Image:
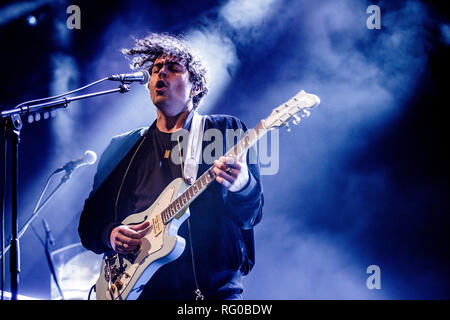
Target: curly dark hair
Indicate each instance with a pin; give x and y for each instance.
(148, 49)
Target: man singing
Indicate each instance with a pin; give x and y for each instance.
(136, 167)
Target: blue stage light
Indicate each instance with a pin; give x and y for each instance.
(32, 20)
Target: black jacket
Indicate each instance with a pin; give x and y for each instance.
(221, 222)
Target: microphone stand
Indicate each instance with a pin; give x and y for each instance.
(12, 123)
(38, 208)
(49, 242)
(2, 199)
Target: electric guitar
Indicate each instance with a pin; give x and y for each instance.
(123, 277)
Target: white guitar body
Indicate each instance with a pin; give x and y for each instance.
(160, 245)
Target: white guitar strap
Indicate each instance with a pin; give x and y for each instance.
(190, 169)
(194, 148)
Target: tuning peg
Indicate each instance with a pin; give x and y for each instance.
(306, 113)
(296, 120)
(287, 127)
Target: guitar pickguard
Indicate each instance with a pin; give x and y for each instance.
(159, 245)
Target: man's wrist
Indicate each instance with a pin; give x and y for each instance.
(106, 236)
(245, 191)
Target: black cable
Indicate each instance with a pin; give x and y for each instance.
(42, 193)
(51, 266)
(45, 244)
(90, 291)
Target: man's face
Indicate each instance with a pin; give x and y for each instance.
(170, 85)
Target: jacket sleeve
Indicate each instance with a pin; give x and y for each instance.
(97, 218)
(246, 205)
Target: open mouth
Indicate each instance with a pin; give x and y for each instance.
(160, 84)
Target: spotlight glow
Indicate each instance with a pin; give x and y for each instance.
(32, 21)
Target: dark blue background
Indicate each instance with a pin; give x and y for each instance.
(363, 181)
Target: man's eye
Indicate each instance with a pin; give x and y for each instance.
(174, 68)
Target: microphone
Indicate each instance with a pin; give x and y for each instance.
(141, 77)
(89, 157)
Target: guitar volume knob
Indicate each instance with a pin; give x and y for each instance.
(119, 285)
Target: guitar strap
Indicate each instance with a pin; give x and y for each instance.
(194, 148)
(190, 169)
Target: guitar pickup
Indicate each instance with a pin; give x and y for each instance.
(157, 224)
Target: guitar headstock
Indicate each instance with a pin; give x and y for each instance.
(296, 107)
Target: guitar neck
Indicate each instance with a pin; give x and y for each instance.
(193, 191)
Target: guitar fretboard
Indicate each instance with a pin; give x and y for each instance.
(188, 195)
(193, 191)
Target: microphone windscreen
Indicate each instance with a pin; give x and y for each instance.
(146, 76)
(90, 157)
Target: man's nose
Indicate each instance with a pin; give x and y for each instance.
(163, 72)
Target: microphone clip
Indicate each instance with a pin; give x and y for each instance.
(125, 86)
